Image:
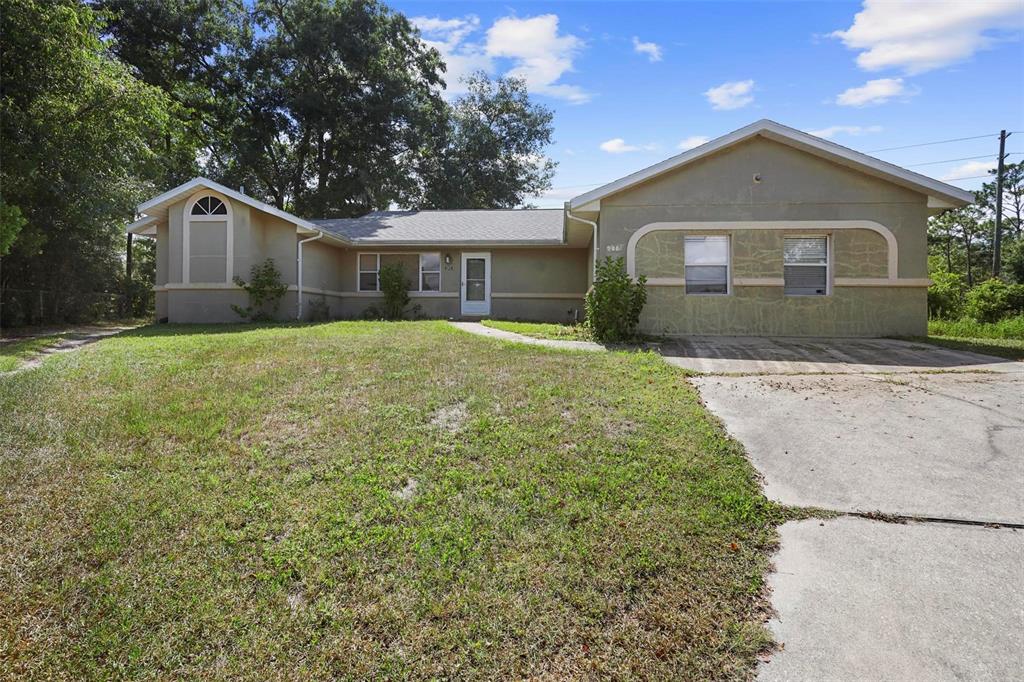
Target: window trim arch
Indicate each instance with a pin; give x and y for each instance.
(186, 228)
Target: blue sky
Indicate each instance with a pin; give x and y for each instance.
(632, 82)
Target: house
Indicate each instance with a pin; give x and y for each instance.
(764, 231)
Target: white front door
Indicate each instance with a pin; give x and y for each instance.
(476, 284)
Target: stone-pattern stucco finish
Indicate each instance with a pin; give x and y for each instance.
(660, 254)
(860, 253)
(757, 253)
(765, 311)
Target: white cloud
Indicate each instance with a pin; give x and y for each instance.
(969, 169)
(876, 91)
(692, 141)
(921, 36)
(531, 48)
(448, 37)
(832, 131)
(652, 50)
(540, 55)
(731, 95)
(618, 146)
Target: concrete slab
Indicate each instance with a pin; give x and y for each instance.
(864, 600)
(938, 445)
(783, 355)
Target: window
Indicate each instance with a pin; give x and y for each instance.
(369, 268)
(209, 206)
(707, 265)
(430, 272)
(805, 266)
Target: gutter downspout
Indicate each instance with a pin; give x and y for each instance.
(593, 224)
(298, 307)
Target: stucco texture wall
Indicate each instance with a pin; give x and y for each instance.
(765, 311)
(794, 186)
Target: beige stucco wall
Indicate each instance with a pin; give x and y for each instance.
(860, 311)
(794, 186)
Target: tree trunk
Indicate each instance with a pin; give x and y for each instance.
(970, 276)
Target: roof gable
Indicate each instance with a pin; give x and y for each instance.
(157, 206)
(939, 193)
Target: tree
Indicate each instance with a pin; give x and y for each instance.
(328, 107)
(78, 132)
(491, 154)
(969, 228)
(1013, 198)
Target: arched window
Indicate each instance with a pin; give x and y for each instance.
(207, 240)
(209, 206)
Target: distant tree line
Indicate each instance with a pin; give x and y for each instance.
(960, 260)
(326, 108)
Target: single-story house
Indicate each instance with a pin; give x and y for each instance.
(767, 230)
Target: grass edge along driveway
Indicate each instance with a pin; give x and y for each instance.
(372, 500)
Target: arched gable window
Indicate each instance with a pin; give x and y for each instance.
(207, 240)
(209, 206)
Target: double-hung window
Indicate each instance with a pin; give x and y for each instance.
(707, 264)
(805, 266)
(430, 272)
(369, 271)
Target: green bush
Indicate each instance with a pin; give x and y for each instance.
(966, 328)
(395, 287)
(265, 290)
(946, 295)
(993, 300)
(615, 301)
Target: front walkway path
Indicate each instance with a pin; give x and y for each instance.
(73, 339)
(482, 330)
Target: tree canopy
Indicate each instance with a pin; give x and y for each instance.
(326, 108)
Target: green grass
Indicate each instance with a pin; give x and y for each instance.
(1011, 328)
(543, 330)
(1003, 339)
(222, 503)
(14, 353)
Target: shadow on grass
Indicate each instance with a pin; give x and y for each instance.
(1009, 349)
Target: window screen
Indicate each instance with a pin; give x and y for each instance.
(805, 266)
(707, 264)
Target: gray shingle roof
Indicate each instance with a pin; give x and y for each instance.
(453, 227)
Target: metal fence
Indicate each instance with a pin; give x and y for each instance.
(23, 307)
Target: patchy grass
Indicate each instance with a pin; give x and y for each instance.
(367, 501)
(966, 328)
(543, 330)
(14, 352)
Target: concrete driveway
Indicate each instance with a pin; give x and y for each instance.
(900, 428)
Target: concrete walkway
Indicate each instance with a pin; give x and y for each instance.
(483, 330)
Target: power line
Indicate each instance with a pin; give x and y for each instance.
(964, 158)
(925, 144)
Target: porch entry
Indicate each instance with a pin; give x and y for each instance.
(476, 284)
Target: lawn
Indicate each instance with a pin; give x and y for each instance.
(1003, 339)
(543, 330)
(14, 352)
(367, 501)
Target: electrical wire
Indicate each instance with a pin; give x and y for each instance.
(925, 144)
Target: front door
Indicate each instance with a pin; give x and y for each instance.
(476, 284)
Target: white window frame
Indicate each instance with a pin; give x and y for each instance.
(430, 272)
(828, 264)
(728, 264)
(378, 254)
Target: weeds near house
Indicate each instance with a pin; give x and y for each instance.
(544, 330)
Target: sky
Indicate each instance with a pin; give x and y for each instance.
(632, 83)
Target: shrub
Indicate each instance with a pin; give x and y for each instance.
(265, 289)
(993, 300)
(615, 301)
(946, 295)
(395, 287)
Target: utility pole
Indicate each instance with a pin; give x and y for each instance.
(997, 241)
